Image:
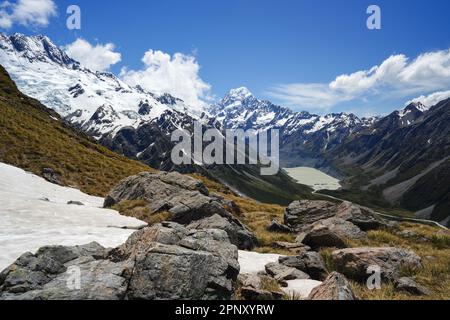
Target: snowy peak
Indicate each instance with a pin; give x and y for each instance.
(239, 93)
(35, 48)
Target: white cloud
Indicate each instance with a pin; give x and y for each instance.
(396, 76)
(29, 13)
(431, 99)
(99, 57)
(177, 75)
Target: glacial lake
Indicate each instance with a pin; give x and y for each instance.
(314, 178)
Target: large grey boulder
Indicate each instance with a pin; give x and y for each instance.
(335, 287)
(300, 215)
(305, 212)
(331, 232)
(355, 262)
(309, 262)
(283, 273)
(362, 217)
(166, 261)
(187, 200)
(237, 233)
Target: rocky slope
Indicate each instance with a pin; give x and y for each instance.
(403, 158)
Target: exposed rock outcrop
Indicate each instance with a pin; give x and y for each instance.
(253, 288)
(355, 262)
(331, 232)
(282, 273)
(166, 261)
(187, 200)
(309, 262)
(300, 215)
(335, 287)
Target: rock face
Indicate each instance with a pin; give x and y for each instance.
(51, 176)
(331, 232)
(362, 217)
(309, 262)
(355, 262)
(186, 199)
(166, 261)
(335, 287)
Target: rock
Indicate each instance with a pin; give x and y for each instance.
(354, 262)
(302, 214)
(293, 247)
(76, 203)
(51, 176)
(309, 262)
(362, 217)
(409, 285)
(165, 261)
(335, 287)
(253, 288)
(306, 212)
(186, 199)
(238, 233)
(275, 226)
(331, 232)
(282, 273)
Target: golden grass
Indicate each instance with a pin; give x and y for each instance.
(435, 254)
(30, 139)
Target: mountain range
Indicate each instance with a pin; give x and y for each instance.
(396, 161)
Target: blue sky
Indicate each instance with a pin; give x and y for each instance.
(287, 51)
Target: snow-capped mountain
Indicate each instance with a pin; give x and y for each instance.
(304, 136)
(97, 102)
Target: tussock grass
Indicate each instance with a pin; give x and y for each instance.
(139, 209)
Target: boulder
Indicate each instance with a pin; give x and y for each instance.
(276, 226)
(282, 273)
(309, 262)
(410, 286)
(300, 215)
(331, 232)
(364, 218)
(254, 288)
(335, 287)
(165, 261)
(238, 233)
(186, 199)
(305, 212)
(355, 262)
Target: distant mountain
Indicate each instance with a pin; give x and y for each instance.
(128, 120)
(403, 158)
(304, 136)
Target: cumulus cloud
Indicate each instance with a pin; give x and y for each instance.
(176, 74)
(99, 57)
(397, 76)
(28, 13)
(431, 99)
